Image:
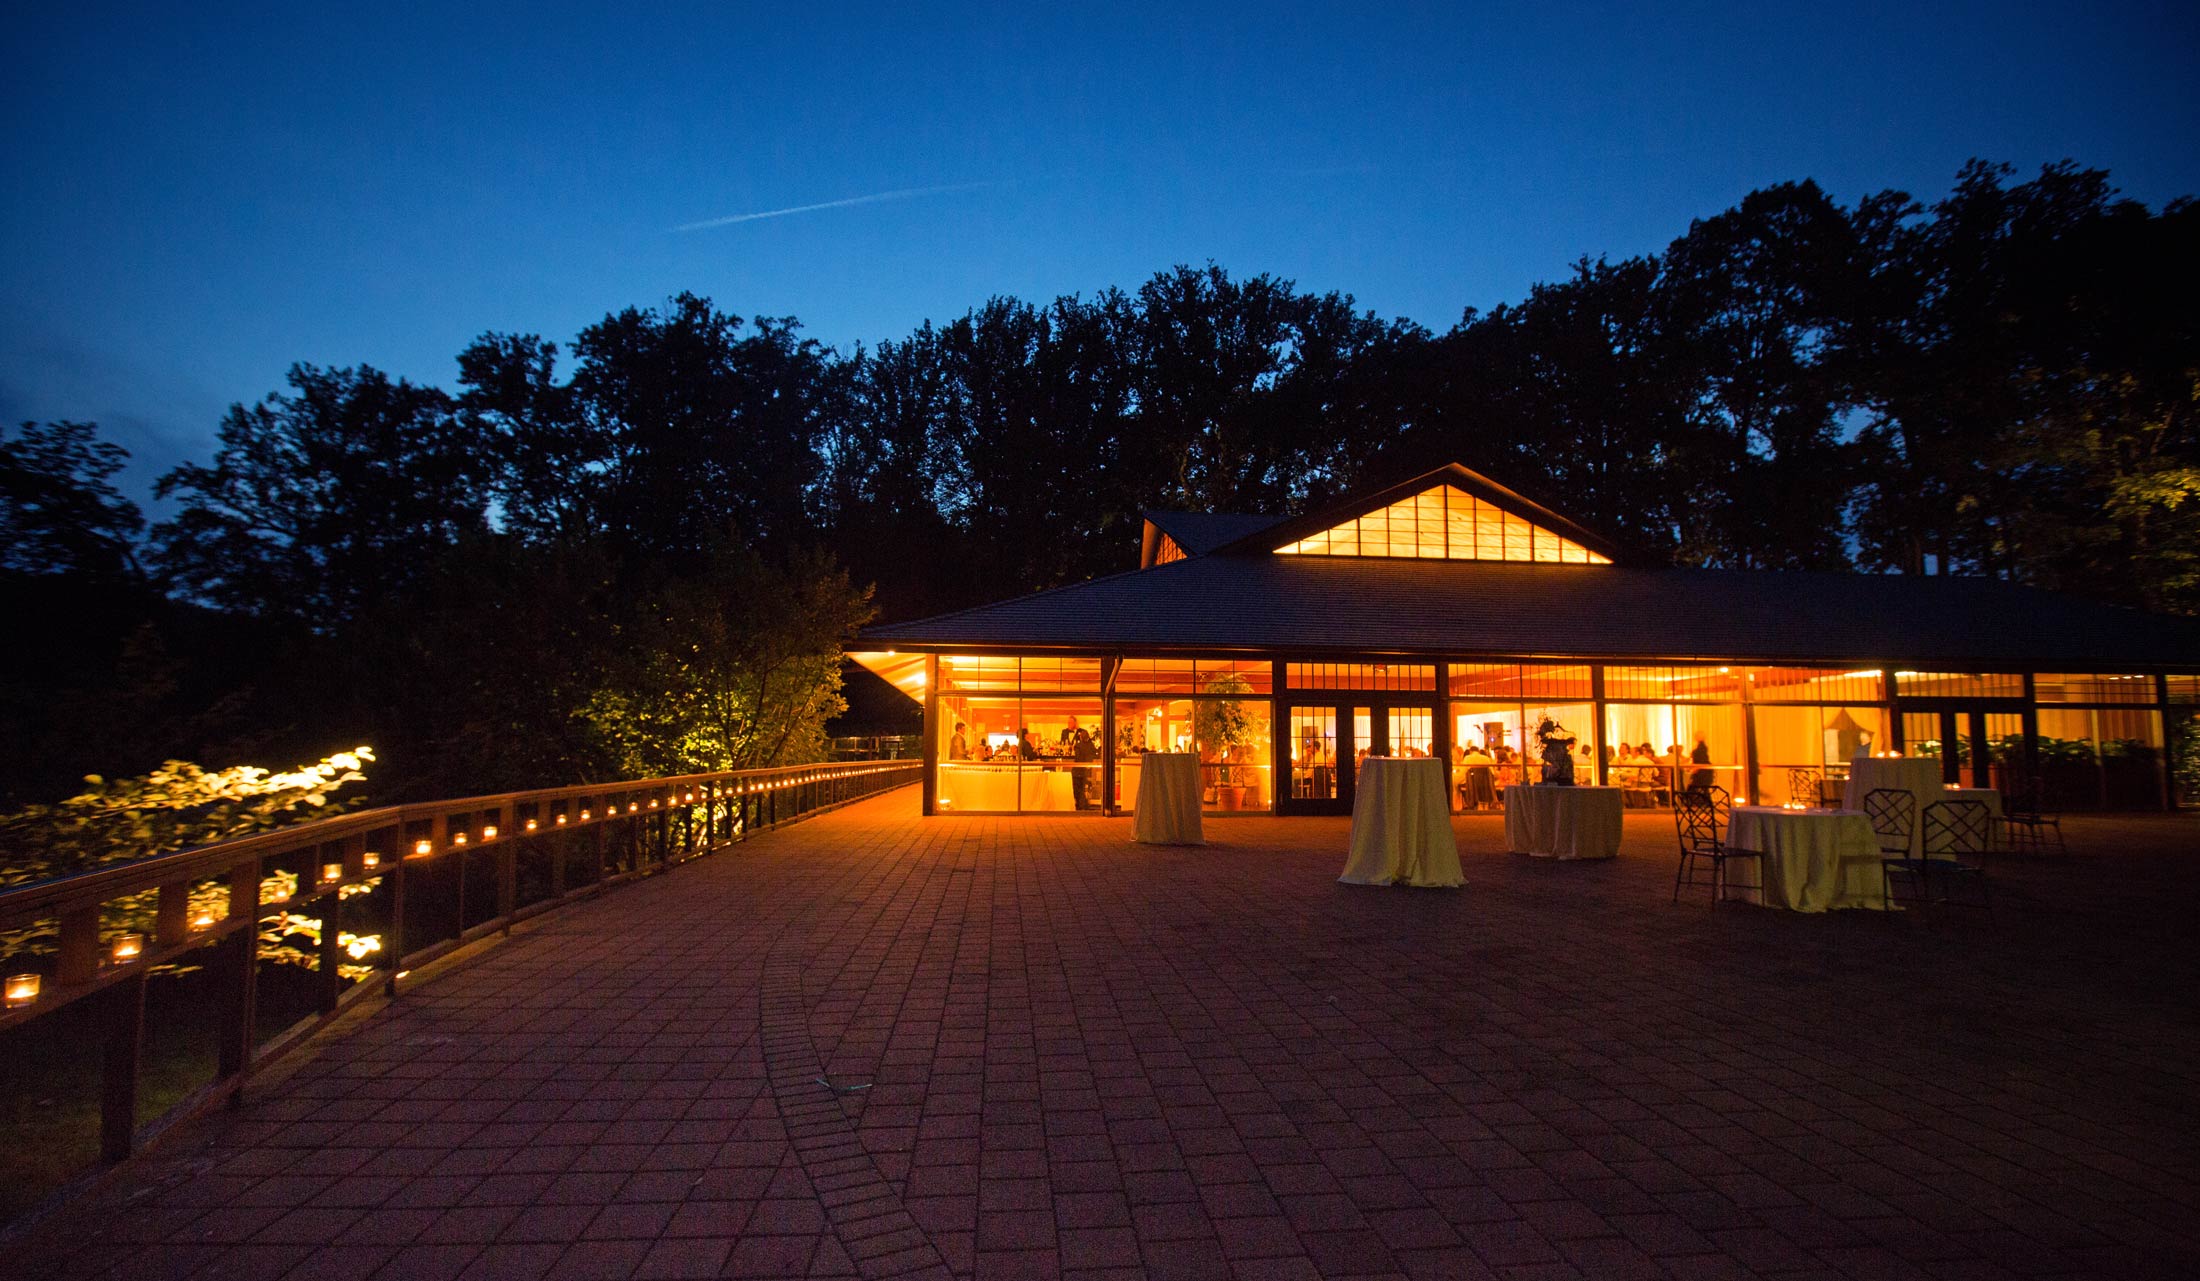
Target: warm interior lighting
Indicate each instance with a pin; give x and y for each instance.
(423, 847)
(332, 872)
(129, 947)
(22, 990)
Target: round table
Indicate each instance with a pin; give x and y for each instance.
(1813, 859)
(1168, 800)
(1401, 825)
(1563, 822)
(1917, 775)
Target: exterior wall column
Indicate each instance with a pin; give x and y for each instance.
(1895, 742)
(931, 733)
(1279, 737)
(1596, 730)
(1108, 668)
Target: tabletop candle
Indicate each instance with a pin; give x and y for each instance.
(22, 990)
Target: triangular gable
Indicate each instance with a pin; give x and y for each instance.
(1449, 514)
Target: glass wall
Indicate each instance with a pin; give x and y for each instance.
(1494, 710)
(1675, 726)
(2100, 756)
(1218, 708)
(1018, 735)
(1811, 719)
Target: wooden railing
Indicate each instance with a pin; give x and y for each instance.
(425, 878)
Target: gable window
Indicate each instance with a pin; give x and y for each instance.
(1445, 522)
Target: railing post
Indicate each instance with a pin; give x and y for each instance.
(125, 1041)
(397, 915)
(234, 1054)
(507, 864)
(331, 982)
(554, 840)
(172, 921)
(78, 959)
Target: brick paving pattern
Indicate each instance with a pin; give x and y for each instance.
(875, 1046)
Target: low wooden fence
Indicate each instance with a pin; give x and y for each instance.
(430, 878)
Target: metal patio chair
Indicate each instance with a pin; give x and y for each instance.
(2025, 824)
(1700, 818)
(1951, 869)
(1806, 784)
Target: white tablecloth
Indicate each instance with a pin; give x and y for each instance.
(1563, 822)
(985, 787)
(1168, 800)
(1987, 796)
(1401, 825)
(1814, 859)
(1917, 775)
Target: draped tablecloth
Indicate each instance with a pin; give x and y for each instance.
(1987, 796)
(1813, 859)
(1563, 822)
(1168, 800)
(1917, 775)
(1401, 825)
(979, 787)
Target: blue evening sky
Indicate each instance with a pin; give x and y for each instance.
(199, 195)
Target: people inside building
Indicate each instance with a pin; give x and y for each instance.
(958, 745)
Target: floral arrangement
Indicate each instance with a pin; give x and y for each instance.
(1558, 752)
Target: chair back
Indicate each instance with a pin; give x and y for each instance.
(1955, 829)
(1893, 815)
(1700, 816)
(1803, 784)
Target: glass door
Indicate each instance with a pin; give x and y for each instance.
(1318, 760)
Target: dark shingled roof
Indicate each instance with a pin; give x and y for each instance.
(1201, 532)
(1340, 604)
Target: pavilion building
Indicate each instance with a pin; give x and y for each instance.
(1450, 616)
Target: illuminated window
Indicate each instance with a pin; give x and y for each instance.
(1168, 551)
(1445, 523)
(1372, 676)
(2075, 687)
(1958, 685)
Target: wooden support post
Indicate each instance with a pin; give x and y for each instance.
(78, 961)
(397, 918)
(331, 982)
(172, 924)
(125, 1040)
(507, 864)
(240, 967)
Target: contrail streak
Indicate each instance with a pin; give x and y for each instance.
(876, 197)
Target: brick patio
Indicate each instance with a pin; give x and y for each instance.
(1051, 1052)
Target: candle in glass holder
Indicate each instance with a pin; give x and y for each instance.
(561, 820)
(530, 825)
(690, 796)
(584, 816)
(129, 947)
(458, 838)
(202, 920)
(631, 807)
(332, 872)
(370, 860)
(653, 802)
(489, 833)
(22, 990)
(423, 847)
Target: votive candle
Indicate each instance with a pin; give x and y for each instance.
(22, 990)
(129, 947)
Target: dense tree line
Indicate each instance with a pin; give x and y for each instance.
(638, 553)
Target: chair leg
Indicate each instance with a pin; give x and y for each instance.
(1678, 874)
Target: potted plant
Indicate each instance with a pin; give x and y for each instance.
(1226, 733)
